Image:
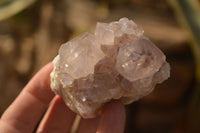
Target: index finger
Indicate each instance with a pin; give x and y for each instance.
(25, 112)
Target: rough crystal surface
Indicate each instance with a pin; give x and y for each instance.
(117, 62)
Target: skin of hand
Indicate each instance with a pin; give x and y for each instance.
(38, 104)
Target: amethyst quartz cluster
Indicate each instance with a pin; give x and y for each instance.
(117, 62)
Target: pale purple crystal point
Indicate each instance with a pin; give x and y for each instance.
(139, 57)
(117, 62)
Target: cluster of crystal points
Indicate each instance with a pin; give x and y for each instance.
(117, 62)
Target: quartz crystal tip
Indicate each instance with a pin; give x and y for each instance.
(117, 62)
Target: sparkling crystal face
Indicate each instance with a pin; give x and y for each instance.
(117, 62)
(139, 59)
(80, 55)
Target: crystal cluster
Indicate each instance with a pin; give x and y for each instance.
(117, 62)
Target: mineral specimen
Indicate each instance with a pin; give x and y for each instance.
(117, 62)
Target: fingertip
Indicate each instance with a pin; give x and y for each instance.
(58, 118)
(48, 68)
(113, 118)
(39, 85)
(43, 76)
(115, 105)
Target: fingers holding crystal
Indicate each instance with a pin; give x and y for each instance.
(58, 118)
(113, 118)
(88, 125)
(25, 112)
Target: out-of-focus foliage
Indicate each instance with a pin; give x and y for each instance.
(12, 7)
(188, 12)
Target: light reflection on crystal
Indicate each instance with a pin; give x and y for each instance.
(117, 62)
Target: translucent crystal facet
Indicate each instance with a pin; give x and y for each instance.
(80, 55)
(139, 57)
(117, 62)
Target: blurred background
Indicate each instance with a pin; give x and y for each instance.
(31, 32)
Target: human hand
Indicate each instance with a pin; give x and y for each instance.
(24, 114)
